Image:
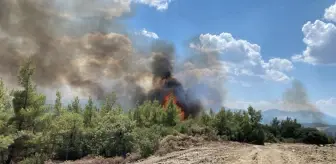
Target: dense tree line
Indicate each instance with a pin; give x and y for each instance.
(32, 132)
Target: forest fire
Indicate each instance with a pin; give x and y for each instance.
(175, 102)
(166, 87)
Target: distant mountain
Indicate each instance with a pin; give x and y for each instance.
(320, 121)
(303, 117)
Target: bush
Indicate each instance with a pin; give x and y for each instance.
(315, 137)
(257, 136)
(269, 137)
(147, 140)
(114, 136)
(331, 140)
(36, 159)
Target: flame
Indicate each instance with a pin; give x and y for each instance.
(175, 102)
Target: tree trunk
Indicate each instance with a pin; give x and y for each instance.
(10, 154)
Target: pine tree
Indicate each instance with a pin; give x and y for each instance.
(172, 116)
(27, 103)
(88, 113)
(75, 106)
(211, 113)
(29, 111)
(109, 103)
(6, 132)
(58, 103)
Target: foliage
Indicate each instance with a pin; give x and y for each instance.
(147, 140)
(30, 133)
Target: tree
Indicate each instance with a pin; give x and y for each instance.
(29, 111)
(211, 113)
(172, 114)
(88, 113)
(75, 106)
(58, 103)
(221, 123)
(67, 129)
(110, 101)
(6, 132)
(206, 118)
(290, 128)
(255, 116)
(113, 135)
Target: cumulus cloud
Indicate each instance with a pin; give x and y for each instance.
(279, 64)
(149, 34)
(320, 38)
(241, 57)
(158, 4)
(330, 13)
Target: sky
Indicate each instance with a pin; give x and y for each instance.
(263, 45)
(249, 51)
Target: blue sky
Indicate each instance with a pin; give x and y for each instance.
(275, 26)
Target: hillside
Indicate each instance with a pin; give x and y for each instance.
(301, 116)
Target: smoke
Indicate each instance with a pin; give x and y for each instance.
(164, 82)
(203, 73)
(296, 99)
(40, 31)
(81, 45)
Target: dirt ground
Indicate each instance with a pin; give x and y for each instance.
(184, 149)
(239, 153)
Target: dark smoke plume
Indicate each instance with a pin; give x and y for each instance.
(165, 83)
(296, 99)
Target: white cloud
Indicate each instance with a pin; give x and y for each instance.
(149, 34)
(241, 57)
(320, 38)
(276, 75)
(279, 64)
(330, 101)
(158, 4)
(330, 13)
(327, 106)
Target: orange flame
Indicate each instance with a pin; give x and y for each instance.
(175, 102)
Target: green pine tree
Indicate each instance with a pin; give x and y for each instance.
(88, 112)
(172, 115)
(58, 103)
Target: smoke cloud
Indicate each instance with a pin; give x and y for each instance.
(296, 99)
(81, 45)
(37, 30)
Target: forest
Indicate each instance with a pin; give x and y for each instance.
(33, 132)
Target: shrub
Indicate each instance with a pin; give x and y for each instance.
(35, 159)
(331, 140)
(257, 136)
(315, 137)
(147, 140)
(269, 137)
(114, 135)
